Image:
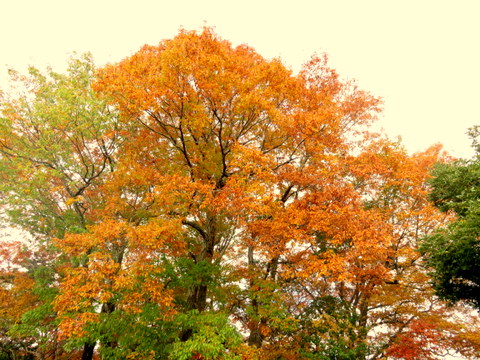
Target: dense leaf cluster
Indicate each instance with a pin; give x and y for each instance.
(454, 251)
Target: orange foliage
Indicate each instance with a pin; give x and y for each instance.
(16, 284)
(234, 163)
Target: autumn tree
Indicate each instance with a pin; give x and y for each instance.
(221, 206)
(260, 154)
(230, 162)
(57, 141)
(239, 193)
(402, 312)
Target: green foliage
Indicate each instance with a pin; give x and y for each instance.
(184, 273)
(142, 334)
(330, 331)
(454, 252)
(56, 139)
(456, 187)
(147, 335)
(210, 336)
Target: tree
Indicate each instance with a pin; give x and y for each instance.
(453, 251)
(57, 141)
(384, 294)
(269, 184)
(405, 319)
(243, 211)
(246, 158)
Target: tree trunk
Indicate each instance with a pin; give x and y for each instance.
(88, 349)
(108, 308)
(198, 298)
(255, 338)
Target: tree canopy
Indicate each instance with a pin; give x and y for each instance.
(198, 201)
(453, 251)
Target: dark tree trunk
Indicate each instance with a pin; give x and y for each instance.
(256, 338)
(108, 308)
(88, 349)
(197, 299)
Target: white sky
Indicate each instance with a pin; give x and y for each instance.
(421, 56)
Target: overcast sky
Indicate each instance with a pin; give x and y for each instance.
(421, 56)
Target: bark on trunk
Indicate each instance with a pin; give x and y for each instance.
(197, 299)
(88, 349)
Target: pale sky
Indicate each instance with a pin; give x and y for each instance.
(421, 56)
